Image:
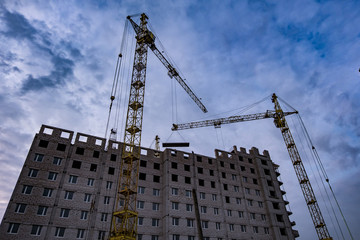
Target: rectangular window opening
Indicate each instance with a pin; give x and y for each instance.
(43, 143)
(48, 131)
(93, 167)
(96, 154)
(80, 151)
(83, 138)
(157, 166)
(65, 135)
(156, 178)
(61, 147)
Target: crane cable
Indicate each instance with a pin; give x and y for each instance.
(164, 52)
(222, 138)
(117, 86)
(323, 185)
(248, 107)
(178, 132)
(217, 137)
(240, 109)
(317, 181)
(174, 104)
(173, 83)
(116, 76)
(122, 105)
(171, 61)
(318, 162)
(174, 109)
(317, 158)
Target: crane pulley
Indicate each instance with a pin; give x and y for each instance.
(125, 217)
(280, 122)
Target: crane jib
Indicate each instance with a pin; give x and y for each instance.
(233, 119)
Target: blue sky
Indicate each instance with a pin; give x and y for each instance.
(57, 61)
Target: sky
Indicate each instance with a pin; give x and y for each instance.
(57, 63)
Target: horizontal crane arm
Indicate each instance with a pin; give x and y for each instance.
(227, 120)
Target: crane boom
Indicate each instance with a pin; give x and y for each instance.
(228, 120)
(280, 122)
(172, 72)
(125, 216)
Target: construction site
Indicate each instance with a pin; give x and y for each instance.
(80, 186)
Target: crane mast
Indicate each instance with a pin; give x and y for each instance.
(311, 202)
(125, 216)
(124, 220)
(280, 122)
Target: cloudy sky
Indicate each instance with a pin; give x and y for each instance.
(57, 62)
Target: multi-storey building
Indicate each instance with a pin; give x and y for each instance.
(67, 190)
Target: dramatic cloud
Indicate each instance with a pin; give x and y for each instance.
(19, 28)
(57, 62)
(63, 68)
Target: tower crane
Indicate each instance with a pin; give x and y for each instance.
(280, 122)
(124, 218)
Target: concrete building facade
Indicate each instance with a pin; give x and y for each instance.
(67, 189)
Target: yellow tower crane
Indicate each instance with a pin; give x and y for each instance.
(124, 218)
(280, 122)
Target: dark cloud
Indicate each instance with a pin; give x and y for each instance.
(344, 117)
(16, 69)
(347, 116)
(332, 144)
(352, 157)
(6, 59)
(63, 68)
(299, 33)
(18, 27)
(294, 32)
(308, 32)
(74, 52)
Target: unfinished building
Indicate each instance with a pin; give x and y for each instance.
(67, 187)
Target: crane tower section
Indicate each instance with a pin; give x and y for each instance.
(124, 221)
(125, 217)
(314, 209)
